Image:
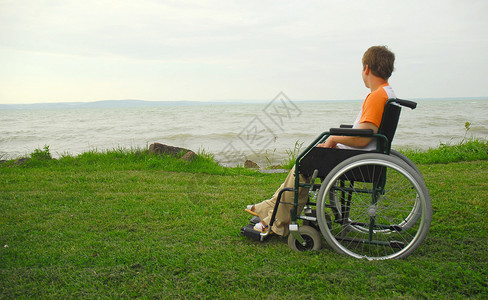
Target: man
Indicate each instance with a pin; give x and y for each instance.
(378, 64)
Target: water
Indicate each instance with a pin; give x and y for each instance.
(232, 132)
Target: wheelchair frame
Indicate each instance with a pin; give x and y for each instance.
(352, 237)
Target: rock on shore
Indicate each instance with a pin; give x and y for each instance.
(162, 149)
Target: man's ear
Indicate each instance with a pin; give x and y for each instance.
(366, 69)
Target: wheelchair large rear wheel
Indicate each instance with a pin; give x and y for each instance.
(379, 205)
(415, 214)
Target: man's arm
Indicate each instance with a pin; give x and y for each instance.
(351, 141)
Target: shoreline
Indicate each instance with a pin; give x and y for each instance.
(468, 150)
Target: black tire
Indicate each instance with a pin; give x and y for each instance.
(375, 223)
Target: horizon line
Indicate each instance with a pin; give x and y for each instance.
(233, 101)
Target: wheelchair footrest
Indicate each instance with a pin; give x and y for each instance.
(249, 231)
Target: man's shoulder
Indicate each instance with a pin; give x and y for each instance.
(381, 94)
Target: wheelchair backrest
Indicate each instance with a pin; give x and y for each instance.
(389, 121)
(389, 124)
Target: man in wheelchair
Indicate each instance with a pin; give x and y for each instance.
(372, 202)
(378, 64)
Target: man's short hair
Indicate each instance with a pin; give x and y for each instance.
(380, 61)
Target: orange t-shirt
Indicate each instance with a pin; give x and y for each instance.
(374, 105)
(372, 111)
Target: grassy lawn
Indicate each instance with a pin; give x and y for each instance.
(130, 225)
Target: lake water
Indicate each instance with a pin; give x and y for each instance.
(261, 132)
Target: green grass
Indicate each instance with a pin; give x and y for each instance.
(124, 224)
(467, 150)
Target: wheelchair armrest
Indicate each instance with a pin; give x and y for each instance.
(351, 132)
(345, 126)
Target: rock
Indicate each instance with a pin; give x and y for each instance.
(158, 148)
(250, 164)
(189, 156)
(17, 162)
(178, 152)
(21, 161)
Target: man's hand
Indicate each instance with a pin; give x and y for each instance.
(352, 141)
(329, 143)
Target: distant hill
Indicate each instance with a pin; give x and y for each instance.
(143, 103)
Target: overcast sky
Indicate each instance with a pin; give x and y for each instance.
(89, 50)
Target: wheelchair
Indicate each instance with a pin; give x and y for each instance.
(369, 204)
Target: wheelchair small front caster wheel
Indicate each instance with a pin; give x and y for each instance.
(312, 238)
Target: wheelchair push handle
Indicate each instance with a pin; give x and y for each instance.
(406, 103)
